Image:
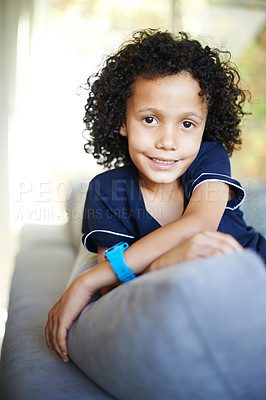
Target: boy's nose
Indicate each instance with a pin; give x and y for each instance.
(167, 139)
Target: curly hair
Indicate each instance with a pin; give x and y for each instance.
(151, 54)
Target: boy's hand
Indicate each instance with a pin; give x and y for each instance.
(202, 244)
(63, 314)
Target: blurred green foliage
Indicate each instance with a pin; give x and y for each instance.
(120, 15)
(112, 21)
(250, 161)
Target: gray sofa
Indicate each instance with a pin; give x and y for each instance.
(48, 259)
(42, 270)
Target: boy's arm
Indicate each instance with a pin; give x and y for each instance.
(202, 244)
(71, 304)
(101, 258)
(204, 212)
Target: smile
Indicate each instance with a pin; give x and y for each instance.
(163, 162)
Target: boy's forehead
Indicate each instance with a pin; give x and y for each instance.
(173, 92)
(159, 79)
(182, 80)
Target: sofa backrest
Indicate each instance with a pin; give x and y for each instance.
(75, 200)
(254, 206)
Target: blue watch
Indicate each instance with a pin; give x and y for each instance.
(116, 258)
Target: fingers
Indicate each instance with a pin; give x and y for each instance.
(61, 344)
(59, 341)
(47, 335)
(202, 244)
(205, 244)
(63, 314)
(219, 242)
(55, 335)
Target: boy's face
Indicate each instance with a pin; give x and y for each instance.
(165, 121)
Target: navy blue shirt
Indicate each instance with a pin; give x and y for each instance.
(115, 210)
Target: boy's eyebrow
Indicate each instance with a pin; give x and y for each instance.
(155, 110)
(194, 114)
(148, 110)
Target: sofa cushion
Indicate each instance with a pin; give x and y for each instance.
(29, 371)
(190, 331)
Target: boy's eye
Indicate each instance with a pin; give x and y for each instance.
(188, 124)
(149, 120)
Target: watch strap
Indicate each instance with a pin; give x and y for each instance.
(115, 255)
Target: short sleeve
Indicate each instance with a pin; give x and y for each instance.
(105, 219)
(212, 164)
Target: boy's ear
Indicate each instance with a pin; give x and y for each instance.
(123, 130)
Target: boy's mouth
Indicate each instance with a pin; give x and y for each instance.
(163, 162)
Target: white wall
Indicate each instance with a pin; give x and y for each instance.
(10, 14)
